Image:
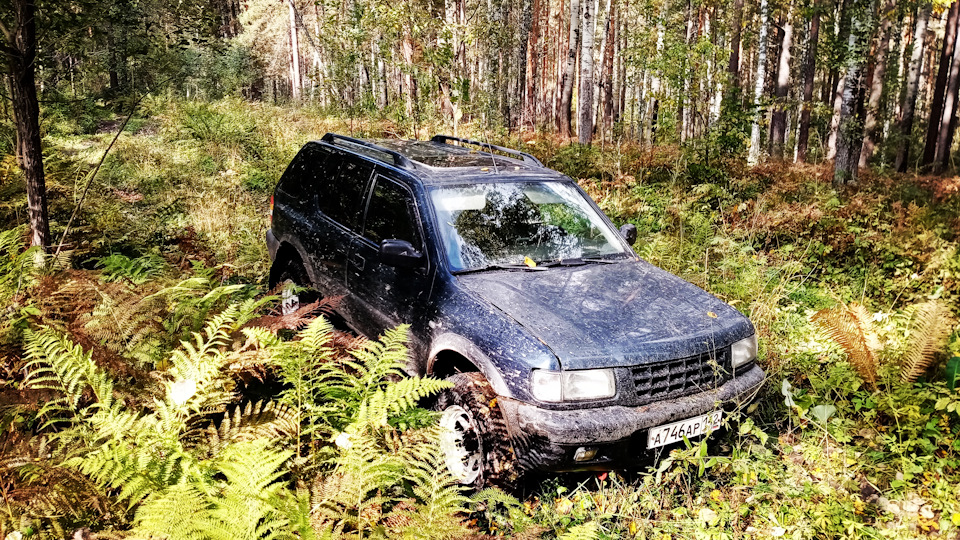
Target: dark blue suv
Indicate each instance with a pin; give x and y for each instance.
(566, 350)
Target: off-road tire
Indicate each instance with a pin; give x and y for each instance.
(472, 394)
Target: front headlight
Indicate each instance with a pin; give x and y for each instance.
(743, 351)
(556, 386)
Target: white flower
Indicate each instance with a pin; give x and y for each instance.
(182, 390)
(343, 441)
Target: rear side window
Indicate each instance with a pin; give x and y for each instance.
(391, 214)
(302, 179)
(341, 194)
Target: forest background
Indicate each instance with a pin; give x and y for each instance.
(793, 158)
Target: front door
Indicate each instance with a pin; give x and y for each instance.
(383, 296)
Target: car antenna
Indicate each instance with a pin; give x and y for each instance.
(492, 157)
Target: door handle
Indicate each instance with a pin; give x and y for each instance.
(357, 260)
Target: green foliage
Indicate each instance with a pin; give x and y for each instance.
(18, 273)
(136, 270)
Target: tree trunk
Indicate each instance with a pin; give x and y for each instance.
(778, 122)
(809, 72)
(912, 84)
(20, 47)
(585, 96)
(606, 79)
(871, 125)
(656, 83)
(754, 155)
(569, 71)
(943, 72)
(733, 67)
(530, 115)
(295, 82)
(945, 120)
(850, 132)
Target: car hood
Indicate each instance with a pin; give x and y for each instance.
(607, 315)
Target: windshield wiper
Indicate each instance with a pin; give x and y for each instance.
(518, 266)
(577, 261)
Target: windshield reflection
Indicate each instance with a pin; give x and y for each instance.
(495, 224)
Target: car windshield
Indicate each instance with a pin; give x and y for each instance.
(491, 224)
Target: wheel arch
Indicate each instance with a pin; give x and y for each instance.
(287, 253)
(452, 353)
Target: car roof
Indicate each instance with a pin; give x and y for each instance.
(445, 160)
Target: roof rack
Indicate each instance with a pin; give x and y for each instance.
(399, 159)
(527, 158)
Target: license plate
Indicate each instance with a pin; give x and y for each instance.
(691, 427)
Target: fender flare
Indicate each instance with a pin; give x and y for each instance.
(466, 348)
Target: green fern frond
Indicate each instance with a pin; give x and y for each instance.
(396, 398)
(852, 328)
(439, 494)
(262, 420)
(929, 329)
(55, 363)
(175, 513)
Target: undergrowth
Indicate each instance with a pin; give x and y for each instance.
(141, 343)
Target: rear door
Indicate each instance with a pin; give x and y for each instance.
(385, 296)
(341, 183)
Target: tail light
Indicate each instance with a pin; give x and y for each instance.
(271, 210)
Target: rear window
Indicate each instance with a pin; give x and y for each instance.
(301, 181)
(341, 189)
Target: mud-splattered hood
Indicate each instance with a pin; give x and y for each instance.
(605, 315)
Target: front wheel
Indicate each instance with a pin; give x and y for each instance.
(474, 436)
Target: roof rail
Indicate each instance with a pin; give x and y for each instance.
(399, 159)
(527, 158)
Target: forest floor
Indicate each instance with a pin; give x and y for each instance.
(854, 440)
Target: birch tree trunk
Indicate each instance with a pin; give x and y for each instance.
(20, 47)
(870, 126)
(569, 71)
(912, 84)
(778, 122)
(296, 84)
(585, 95)
(809, 72)
(753, 157)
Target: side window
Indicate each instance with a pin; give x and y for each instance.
(300, 181)
(340, 195)
(391, 214)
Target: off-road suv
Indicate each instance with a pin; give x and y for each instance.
(566, 350)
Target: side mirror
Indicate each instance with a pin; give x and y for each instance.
(629, 233)
(400, 254)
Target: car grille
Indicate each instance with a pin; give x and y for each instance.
(672, 378)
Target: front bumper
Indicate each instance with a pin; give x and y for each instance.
(547, 439)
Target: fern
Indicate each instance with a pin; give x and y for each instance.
(263, 420)
(852, 328)
(440, 496)
(246, 504)
(136, 270)
(17, 269)
(54, 363)
(929, 329)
